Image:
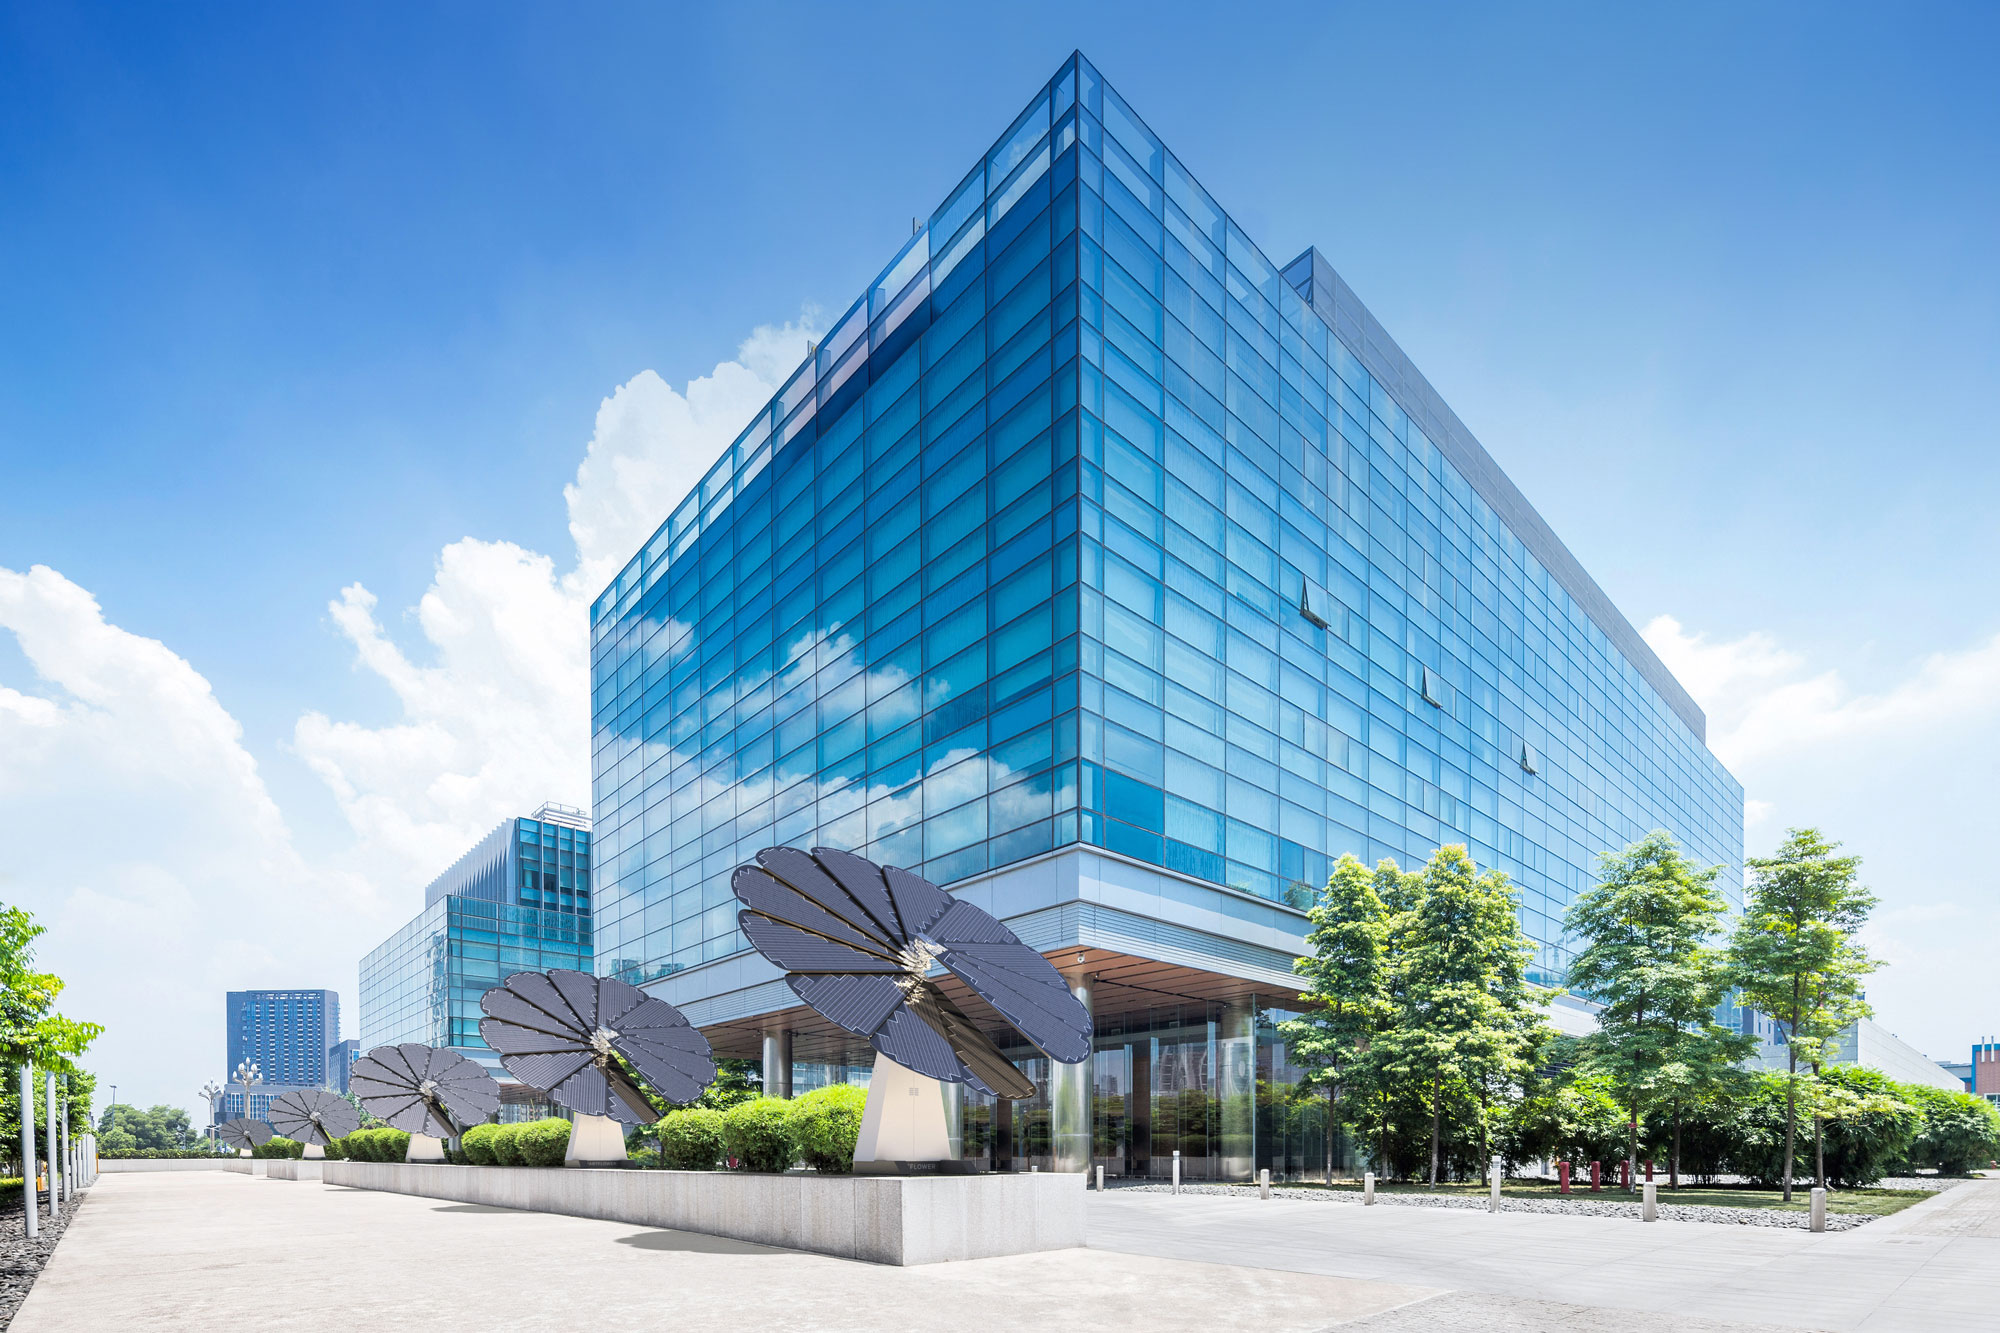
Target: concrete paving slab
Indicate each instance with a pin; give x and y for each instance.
(210, 1249)
(1936, 1265)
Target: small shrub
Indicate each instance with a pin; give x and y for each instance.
(758, 1134)
(691, 1139)
(336, 1150)
(825, 1124)
(477, 1145)
(543, 1142)
(506, 1143)
(279, 1148)
(394, 1145)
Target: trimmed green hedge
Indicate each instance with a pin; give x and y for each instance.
(138, 1154)
(375, 1145)
(477, 1145)
(691, 1139)
(542, 1142)
(825, 1124)
(279, 1148)
(758, 1134)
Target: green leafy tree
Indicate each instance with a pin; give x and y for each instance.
(1793, 956)
(1463, 1020)
(31, 1032)
(1646, 952)
(1346, 988)
(1960, 1131)
(130, 1129)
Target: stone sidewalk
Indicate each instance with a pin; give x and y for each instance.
(1933, 1266)
(213, 1249)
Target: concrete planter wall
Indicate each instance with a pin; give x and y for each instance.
(115, 1166)
(883, 1219)
(296, 1168)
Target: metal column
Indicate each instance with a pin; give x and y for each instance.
(777, 1062)
(28, 1149)
(1071, 1122)
(55, 1163)
(1236, 1089)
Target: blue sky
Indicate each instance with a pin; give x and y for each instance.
(297, 301)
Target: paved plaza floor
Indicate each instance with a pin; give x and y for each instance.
(1933, 1266)
(211, 1249)
(203, 1249)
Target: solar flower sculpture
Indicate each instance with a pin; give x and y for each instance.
(429, 1093)
(314, 1117)
(859, 941)
(573, 1035)
(243, 1134)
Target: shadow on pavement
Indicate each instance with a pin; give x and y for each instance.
(471, 1208)
(693, 1242)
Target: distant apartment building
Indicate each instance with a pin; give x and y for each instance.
(288, 1034)
(1982, 1072)
(340, 1062)
(518, 901)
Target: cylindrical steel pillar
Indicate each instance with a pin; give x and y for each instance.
(28, 1150)
(55, 1162)
(1070, 1105)
(1236, 1089)
(777, 1062)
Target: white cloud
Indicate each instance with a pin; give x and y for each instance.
(145, 837)
(142, 835)
(1902, 775)
(652, 445)
(495, 708)
(1762, 701)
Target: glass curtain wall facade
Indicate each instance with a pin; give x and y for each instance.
(424, 982)
(1089, 527)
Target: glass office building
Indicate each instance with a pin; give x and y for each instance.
(519, 901)
(1119, 578)
(290, 1034)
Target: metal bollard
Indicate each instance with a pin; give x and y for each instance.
(1649, 1206)
(1100, 1180)
(1562, 1174)
(1177, 1170)
(1493, 1204)
(1368, 1187)
(1596, 1177)
(1264, 1183)
(1819, 1210)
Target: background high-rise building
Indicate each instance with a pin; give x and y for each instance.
(288, 1033)
(518, 901)
(341, 1061)
(1121, 579)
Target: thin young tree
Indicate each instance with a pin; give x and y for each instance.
(1648, 933)
(1462, 1015)
(1793, 955)
(1345, 988)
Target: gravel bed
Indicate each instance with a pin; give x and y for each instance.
(21, 1260)
(1743, 1217)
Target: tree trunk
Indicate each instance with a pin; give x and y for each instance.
(1674, 1167)
(1332, 1107)
(1632, 1148)
(1437, 1121)
(1791, 1089)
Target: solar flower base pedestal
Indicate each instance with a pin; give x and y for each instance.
(424, 1148)
(903, 1130)
(595, 1140)
(314, 1153)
